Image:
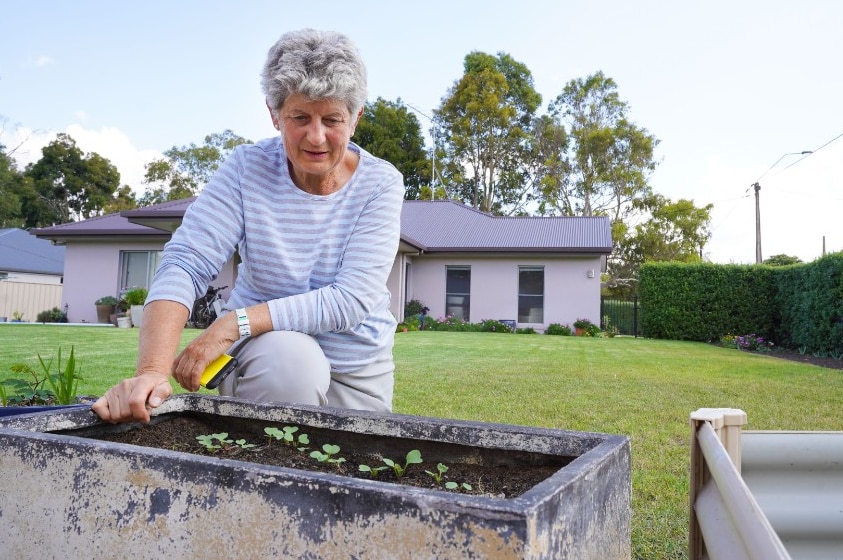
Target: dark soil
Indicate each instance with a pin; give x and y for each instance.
(179, 434)
(827, 361)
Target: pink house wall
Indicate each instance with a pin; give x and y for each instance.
(92, 270)
(569, 291)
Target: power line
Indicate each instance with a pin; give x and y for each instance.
(810, 153)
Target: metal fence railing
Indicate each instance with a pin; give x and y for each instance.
(621, 314)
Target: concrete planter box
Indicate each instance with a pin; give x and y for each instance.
(66, 494)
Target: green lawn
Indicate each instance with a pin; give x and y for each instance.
(641, 388)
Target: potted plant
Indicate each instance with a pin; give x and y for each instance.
(68, 487)
(580, 325)
(17, 316)
(106, 306)
(135, 298)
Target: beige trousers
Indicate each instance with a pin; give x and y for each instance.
(289, 366)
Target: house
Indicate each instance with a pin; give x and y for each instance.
(31, 273)
(456, 260)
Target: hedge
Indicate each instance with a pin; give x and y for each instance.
(798, 306)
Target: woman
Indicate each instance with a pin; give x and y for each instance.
(315, 220)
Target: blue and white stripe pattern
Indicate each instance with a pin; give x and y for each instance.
(321, 262)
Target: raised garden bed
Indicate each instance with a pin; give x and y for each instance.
(67, 488)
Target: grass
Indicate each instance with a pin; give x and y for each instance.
(645, 389)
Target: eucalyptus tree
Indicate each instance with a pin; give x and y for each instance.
(485, 132)
(608, 159)
(183, 171)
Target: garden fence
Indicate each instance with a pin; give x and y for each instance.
(621, 314)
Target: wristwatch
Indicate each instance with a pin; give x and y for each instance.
(243, 323)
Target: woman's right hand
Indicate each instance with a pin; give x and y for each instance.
(133, 398)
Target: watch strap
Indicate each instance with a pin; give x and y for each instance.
(243, 322)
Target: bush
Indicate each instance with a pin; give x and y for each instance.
(53, 315)
(558, 329)
(527, 330)
(415, 307)
(492, 325)
(135, 296)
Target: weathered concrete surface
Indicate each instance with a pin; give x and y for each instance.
(67, 496)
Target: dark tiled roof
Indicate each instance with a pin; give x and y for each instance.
(447, 226)
(114, 225)
(432, 226)
(21, 252)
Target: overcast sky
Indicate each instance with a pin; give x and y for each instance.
(733, 90)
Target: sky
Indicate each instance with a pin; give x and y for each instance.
(733, 91)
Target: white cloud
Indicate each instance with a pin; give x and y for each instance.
(109, 142)
(43, 60)
(114, 145)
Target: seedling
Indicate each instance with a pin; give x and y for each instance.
(243, 444)
(220, 442)
(413, 458)
(373, 471)
(456, 486)
(440, 470)
(285, 434)
(329, 454)
(214, 442)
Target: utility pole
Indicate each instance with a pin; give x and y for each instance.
(757, 188)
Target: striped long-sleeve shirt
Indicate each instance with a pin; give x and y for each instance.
(321, 262)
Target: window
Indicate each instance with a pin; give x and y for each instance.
(458, 292)
(137, 268)
(531, 294)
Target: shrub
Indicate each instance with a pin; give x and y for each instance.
(53, 315)
(135, 296)
(558, 329)
(415, 307)
(492, 325)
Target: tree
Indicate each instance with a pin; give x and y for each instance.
(124, 199)
(185, 170)
(66, 184)
(485, 124)
(11, 182)
(389, 131)
(607, 160)
(675, 231)
(781, 260)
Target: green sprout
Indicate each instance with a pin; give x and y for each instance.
(373, 471)
(440, 470)
(413, 458)
(220, 442)
(455, 486)
(285, 434)
(329, 454)
(215, 442)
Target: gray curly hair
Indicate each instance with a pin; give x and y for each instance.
(316, 64)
